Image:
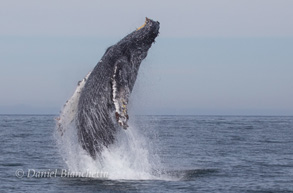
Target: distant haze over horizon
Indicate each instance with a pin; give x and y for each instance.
(211, 57)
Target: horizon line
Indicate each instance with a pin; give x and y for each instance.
(231, 115)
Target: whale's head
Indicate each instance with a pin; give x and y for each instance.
(133, 48)
(139, 41)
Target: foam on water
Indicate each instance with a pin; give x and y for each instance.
(130, 157)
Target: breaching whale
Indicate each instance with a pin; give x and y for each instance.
(101, 98)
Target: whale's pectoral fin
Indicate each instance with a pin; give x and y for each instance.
(121, 91)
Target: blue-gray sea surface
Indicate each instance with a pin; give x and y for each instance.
(204, 154)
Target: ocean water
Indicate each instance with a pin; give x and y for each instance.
(158, 154)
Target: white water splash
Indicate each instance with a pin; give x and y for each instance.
(129, 157)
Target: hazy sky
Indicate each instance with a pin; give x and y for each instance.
(212, 57)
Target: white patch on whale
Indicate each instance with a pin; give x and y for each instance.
(114, 87)
(69, 110)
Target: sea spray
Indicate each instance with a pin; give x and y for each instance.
(128, 158)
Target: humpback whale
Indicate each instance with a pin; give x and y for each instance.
(102, 96)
